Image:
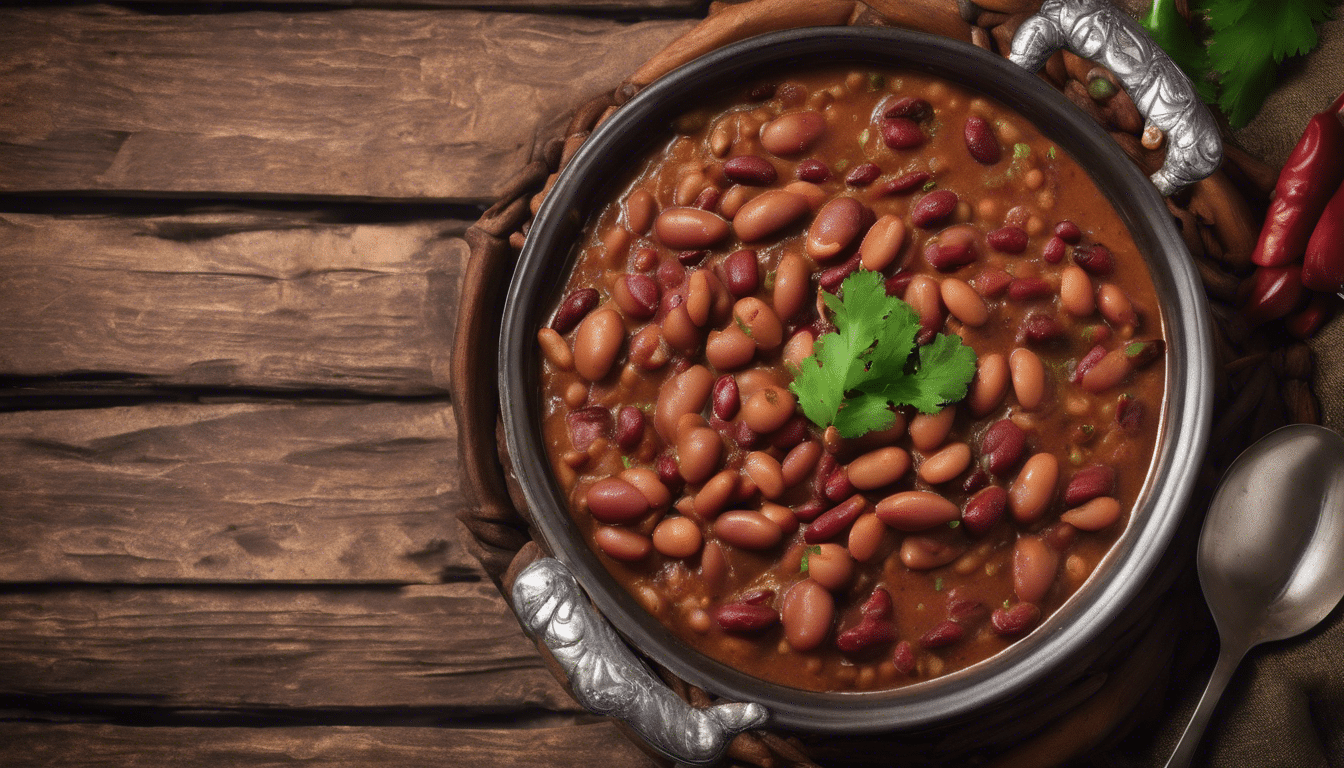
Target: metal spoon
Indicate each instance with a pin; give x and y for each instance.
(1269, 552)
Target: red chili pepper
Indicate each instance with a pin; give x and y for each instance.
(1304, 323)
(1313, 172)
(1275, 291)
(1323, 265)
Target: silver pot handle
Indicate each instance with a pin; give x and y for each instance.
(606, 677)
(1097, 30)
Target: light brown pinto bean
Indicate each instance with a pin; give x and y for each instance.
(729, 349)
(1075, 292)
(715, 494)
(835, 226)
(878, 468)
(613, 500)
(648, 350)
(924, 553)
(698, 452)
(831, 566)
(865, 537)
(963, 302)
(685, 393)
(648, 483)
(680, 332)
(916, 510)
(768, 408)
(640, 208)
(747, 529)
(781, 515)
(923, 296)
(597, 343)
(806, 614)
(798, 348)
(749, 382)
(733, 200)
(689, 229)
(1028, 378)
(557, 350)
(945, 464)
(929, 430)
(690, 421)
(699, 297)
(622, 544)
(816, 196)
(800, 461)
(791, 285)
(768, 213)
(882, 243)
(1101, 512)
(989, 385)
(677, 537)
(1115, 306)
(1033, 490)
(765, 471)
(1108, 372)
(1034, 568)
(762, 323)
(713, 565)
(793, 133)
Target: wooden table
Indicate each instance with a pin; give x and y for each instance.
(230, 257)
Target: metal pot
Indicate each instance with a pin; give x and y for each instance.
(1033, 677)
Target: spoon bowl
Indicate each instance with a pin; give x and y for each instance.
(1269, 552)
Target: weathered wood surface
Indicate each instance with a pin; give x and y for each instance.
(251, 491)
(261, 300)
(519, 6)
(578, 746)
(448, 649)
(362, 103)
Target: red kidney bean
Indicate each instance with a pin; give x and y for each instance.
(686, 393)
(793, 133)
(725, 397)
(1040, 328)
(707, 199)
(768, 213)
(863, 174)
(835, 226)
(1008, 239)
(637, 296)
(837, 487)
(984, 510)
(588, 424)
(629, 427)
(1060, 536)
(981, 141)
(1002, 446)
(949, 255)
(907, 182)
(832, 522)
(991, 282)
(1054, 250)
(745, 617)
(807, 613)
(916, 510)
(689, 228)
(747, 529)
(912, 107)
(1128, 413)
(1089, 483)
(897, 283)
(813, 171)
(668, 471)
(691, 258)
(574, 308)
(964, 612)
(831, 566)
(1068, 232)
(622, 544)
(903, 657)
(933, 208)
(1014, 620)
(1095, 258)
(830, 279)
(1034, 568)
(751, 170)
(670, 274)
(740, 272)
(1034, 488)
(924, 553)
(1028, 289)
(1087, 363)
(977, 479)
(677, 537)
(792, 433)
(944, 633)
(900, 133)
(867, 634)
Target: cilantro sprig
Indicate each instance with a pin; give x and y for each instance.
(870, 362)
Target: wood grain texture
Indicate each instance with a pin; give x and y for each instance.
(450, 649)
(259, 300)
(227, 493)
(358, 103)
(578, 746)
(518, 6)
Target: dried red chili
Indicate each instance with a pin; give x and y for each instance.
(1275, 292)
(1313, 172)
(1323, 264)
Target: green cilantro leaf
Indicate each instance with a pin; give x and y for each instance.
(858, 373)
(815, 549)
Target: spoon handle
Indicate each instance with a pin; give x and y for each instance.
(1229, 656)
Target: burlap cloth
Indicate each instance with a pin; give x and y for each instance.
(1286, 705)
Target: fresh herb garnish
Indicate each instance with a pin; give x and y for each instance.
(938, 584)
(815, 549)
(870, 362)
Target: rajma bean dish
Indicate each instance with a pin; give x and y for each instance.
(770, 542)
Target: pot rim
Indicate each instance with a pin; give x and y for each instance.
(1033, 662)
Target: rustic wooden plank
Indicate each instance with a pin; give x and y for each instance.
(446, 650)
(261, 300)
(233, 492)
(400, 104)
(577, 746)
(521, 6)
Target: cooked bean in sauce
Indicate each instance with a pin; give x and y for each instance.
(774, 544)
